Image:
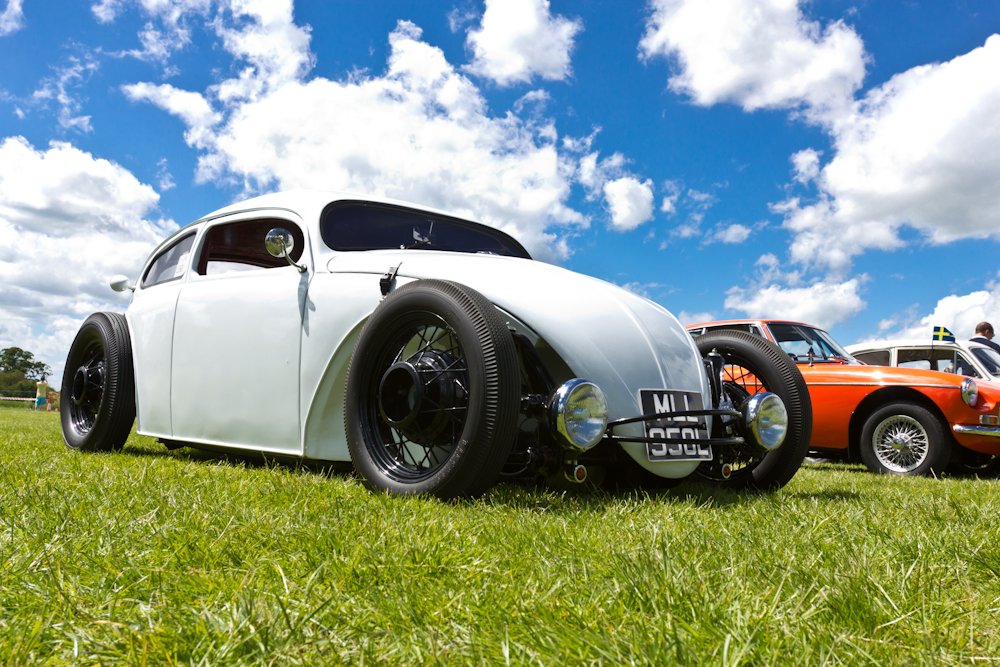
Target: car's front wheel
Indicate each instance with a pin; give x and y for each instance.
(753, 365)
(433, 392)
(98, 386)
(904, 439)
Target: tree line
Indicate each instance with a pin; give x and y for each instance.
(19, 370)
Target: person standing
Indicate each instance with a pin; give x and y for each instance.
(984, 335)
(41, 393)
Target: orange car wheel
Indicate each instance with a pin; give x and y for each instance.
(904, 439)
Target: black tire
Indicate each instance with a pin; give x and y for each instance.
(433, 393)
(905, 439)
(974, 464)
(98, 386)
(754, 364)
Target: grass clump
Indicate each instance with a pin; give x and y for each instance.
(180, 557)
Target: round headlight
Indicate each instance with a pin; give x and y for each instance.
(767, 419)
(579, 413)
(970, 392)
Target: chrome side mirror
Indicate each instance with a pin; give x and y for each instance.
(280, 243)
(119, 283)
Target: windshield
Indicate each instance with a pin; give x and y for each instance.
(805, 343)
(989, 358)
(354, 225)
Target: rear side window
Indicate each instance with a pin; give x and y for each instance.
(745, 328)
(169, 264)
(937, 359)
(874, 358)
(238, 246)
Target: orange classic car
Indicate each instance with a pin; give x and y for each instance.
(901, 421)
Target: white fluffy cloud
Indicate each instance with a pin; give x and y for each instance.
(821, 303)
(420, 131)
(520, 39)
(959, 312)
(630, 202)
(11, 18)
(758, 54)
(83, 219)
(922, 150)
(190, 107)
(732, 234)
(62, 90)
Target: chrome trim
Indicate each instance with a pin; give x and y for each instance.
(279, 242)
(766, 417)
(970, 392)
(988, 431)
(882, 384)
(558, 403)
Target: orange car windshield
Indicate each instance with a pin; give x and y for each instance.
(808, 344)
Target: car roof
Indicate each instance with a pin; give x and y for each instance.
(911, 342)
(301, 199)
(748, 320)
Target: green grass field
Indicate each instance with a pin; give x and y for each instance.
(155, 557)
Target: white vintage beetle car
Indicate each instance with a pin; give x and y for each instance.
(429, 352)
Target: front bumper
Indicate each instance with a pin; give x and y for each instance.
(682, 418)
(988, 431)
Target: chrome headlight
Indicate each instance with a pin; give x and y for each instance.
(766, 418)
(970, 392)
(579, 412)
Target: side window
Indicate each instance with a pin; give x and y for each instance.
(945, 360)
(965, 367)
(170, 264)
(874, 358)
(238, 246)
(920, 358)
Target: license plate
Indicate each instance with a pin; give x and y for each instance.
(690, 428)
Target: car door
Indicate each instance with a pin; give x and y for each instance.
(151, 318)
(237, 338)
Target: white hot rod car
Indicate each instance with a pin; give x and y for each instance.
(430, 353)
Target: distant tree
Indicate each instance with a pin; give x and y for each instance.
(15, 384)
(16, 360)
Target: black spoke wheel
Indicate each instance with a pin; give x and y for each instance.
(433, 392)
(98, 386)
(753, 365)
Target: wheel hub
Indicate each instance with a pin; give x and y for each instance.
(416, 396)
(901, 443)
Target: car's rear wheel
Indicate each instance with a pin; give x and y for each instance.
(753, 365)
(433, 392)
(98, 386)
(904, 439)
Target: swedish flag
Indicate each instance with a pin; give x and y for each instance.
(942, 334)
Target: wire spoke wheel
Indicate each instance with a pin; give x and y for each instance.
(421, 407)
(901, 443)
(753, 365)
(433, 392)
(905, 439)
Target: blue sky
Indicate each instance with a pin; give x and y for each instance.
(835, 162)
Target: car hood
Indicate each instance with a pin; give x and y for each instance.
(604, 333)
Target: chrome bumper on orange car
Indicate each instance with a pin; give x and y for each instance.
(989, 431)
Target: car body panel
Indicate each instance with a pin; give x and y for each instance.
(969, 360)
(211, 349)
(840, 389)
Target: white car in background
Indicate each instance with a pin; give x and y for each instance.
(430, 353)
(961, 357)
